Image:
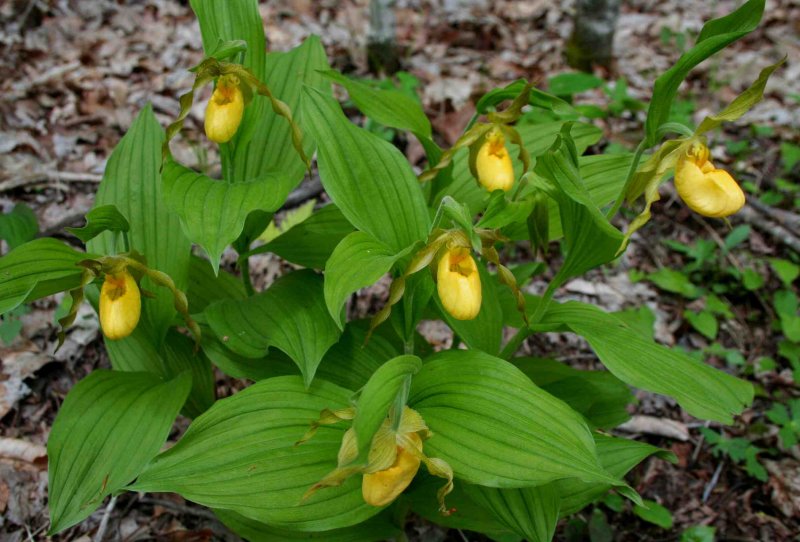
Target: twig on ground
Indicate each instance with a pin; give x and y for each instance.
(181, 508)
(101, 530)
(63, 176)
(307, 190)
(656, 426)
(774, 229)
(713, 482)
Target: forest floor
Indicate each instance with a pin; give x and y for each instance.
(73, 74)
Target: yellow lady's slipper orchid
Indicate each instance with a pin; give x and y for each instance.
(225, 109)
(493, 163)
(705, 189)
(120, 305)
(459, 284)
(382, 487)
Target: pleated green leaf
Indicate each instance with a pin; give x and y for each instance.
(230, 21)
(378, 396)
(18, 226)
(387, 106)
(205, 287)
(496, 428)
(132, 183)
(366, 177)
(703, 391)
(110, 425)
(179, 356)
(100, 219)
(290, 315)
(618, 456)
(358, 261)
(213, 213)
(530, 512)
(375, 529)
(311, 242)
(715, 35)
(600, 396)
(241, 456)
(37, 269)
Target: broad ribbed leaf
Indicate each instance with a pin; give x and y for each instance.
(205, 287)
(484, 332)
(618, 456)
(275, 363)
(375, 529)
(387, 106)
(530, 512)
(110, 425)
(132, 183)
(241, 456)
(369, 179)
(229, 21)
(100, 219)
(179, 356)
(290, 315)
(312, 242)
(600, 396)
(18, 226)
(358, 261)
(715, 35)
(537, 138)
(213, 213)
(378, 396)
(703, 391)
(590, 239)
(37, 269)
(496, 428)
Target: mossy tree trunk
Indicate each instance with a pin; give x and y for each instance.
(382, 51)
(592, 40)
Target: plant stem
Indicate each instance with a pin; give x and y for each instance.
(631, 171)
(244, 265)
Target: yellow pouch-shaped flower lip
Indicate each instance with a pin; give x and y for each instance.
(224, 110)
(705, 189)
(382, 487)
(120, 305)
(493, 163)
(459, 283)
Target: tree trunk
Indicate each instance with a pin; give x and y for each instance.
(592, 40)
(382, 52)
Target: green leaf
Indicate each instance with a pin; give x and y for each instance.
(704, 322)
(179, 356)
(786, 270)
(289, 220)
(290, 315)
(500, 212)
(703, 391)
(18, 226)
(380, 527)
(654, 513)
(132, 183)
(275, 363)
(675, 281)
(589, 237)
(617, 456)
(537, 98)
(530, 512)
(234, 20)
(100, 219)
(99, 442)
(699, 533)
(496, 428)
(600, 396)
(213, 213)
(369, 179)
(37, 269)
(312, 242)
(240, 455)
(567, 84)
(484, 332)
(205, 287)
(742, 103)
(752, 279)
(715, 35)
(358, 261)
(736, 237)
(378, 396)
(786, 305)
(387, 106)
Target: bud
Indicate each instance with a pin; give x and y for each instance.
(120, 305)
(705, 189)
(224, 110)
(382, 487)
(459, 284)
(493, 163)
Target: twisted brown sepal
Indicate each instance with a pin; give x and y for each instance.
(77, 295)
(209, 70)
(505, 274)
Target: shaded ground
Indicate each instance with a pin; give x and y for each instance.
(74, 74)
